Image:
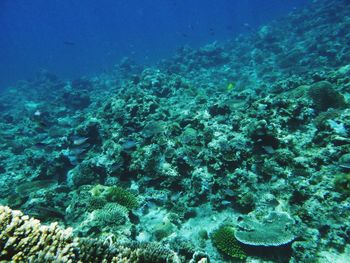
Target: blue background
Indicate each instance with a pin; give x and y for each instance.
(72, 38)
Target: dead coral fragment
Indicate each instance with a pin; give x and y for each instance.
(273, 230)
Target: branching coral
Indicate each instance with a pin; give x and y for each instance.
(24, 239)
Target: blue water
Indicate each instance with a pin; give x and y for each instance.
(72, 38)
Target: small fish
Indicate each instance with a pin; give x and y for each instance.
(84, 146)
(229, 192)
(129, 145)
(73, 159)
(116, 166)
(231, 86)
(268, 149)
(69, 43)
(42, 124)
(184, 35)
(76, 151)
(247, 26)
(211, 31)
(37, 113)
(40, 145)
(229, 27)
(79, 140)
(43, 212)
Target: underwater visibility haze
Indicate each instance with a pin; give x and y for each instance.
(175, 131)
(75, 38)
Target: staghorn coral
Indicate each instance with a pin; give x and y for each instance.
(24, 239)
(224, 239)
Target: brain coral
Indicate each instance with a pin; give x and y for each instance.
(273, 230)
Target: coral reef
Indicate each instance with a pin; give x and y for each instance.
(24, 239)
(237, 144)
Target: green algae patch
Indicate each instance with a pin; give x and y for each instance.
(223, 238)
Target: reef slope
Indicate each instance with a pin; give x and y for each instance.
(235, 151)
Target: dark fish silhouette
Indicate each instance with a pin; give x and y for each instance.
(184, 35)
(69, 43)
(247, 26)
(211, 31)
(229, 27)
(40, 145)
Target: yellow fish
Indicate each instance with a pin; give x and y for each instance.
(231, 86)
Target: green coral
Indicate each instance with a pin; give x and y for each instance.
(96, 202)
(121, 196)
(163, 230)
(115, 194)
(111, 213)
(342, 183)
(223, 238)
(324, 96)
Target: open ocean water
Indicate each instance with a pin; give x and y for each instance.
(175, 131)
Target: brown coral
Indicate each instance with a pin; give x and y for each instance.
(24, 239)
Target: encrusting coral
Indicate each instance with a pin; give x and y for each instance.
(24, 239)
